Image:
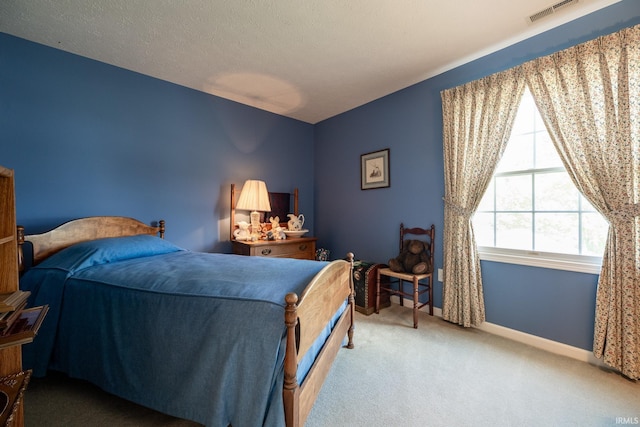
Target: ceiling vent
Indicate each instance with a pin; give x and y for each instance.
(551, 10)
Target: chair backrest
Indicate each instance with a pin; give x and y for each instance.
(428, 235)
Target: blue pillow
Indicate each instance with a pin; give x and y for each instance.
(102, 251)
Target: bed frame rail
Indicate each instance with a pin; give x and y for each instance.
(304, 321)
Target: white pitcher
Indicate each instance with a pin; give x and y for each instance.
(295, 223)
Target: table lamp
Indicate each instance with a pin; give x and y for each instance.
(255, 198)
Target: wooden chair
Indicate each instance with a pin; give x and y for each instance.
(422, 283)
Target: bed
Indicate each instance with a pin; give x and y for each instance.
(214, 338)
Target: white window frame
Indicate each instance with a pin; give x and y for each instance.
(557, 261)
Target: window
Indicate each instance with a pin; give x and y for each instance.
(532, 213)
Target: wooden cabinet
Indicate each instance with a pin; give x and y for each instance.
(18, 324)
(301, 248)
(11, 357)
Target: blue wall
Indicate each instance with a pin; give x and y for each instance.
(86, 138)
(553, 304)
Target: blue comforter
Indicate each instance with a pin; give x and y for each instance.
(195, 335)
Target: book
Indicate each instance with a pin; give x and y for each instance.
(7, 318)
(25, 327)
(12, 300)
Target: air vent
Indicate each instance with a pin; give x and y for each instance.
(551, 10)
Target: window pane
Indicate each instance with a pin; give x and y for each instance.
(486, 204)
(483, 229)
(557, 232)
(586, 206)
(513, 193)
(518, 155)
(513, 230)
(524, 121)
(594, 234)
(546, 154)
(555, 192)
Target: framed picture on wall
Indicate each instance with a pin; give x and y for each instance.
(374, 170)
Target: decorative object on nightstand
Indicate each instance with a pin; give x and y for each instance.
(294, 226)
(295, 223)
(294, 234)
(242, 233)
(254, 197)
(276, 232)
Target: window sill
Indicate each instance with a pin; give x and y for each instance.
(577, 263)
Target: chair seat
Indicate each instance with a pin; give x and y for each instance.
(418, 289)
(404, 276)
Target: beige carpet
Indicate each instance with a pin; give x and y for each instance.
(445, 375)
(437, 375)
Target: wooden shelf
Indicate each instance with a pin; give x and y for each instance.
(10, 357)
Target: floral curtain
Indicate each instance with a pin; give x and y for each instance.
(589, 98)
(477, 122)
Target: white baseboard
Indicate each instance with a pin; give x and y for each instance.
(522, 337)
(542, 343)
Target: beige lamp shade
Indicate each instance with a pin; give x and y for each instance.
(254, 197)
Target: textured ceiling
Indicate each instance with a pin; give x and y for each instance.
(305, 59)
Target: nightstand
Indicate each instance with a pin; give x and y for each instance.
(300, 248)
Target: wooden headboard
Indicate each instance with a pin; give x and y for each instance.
(81, 230)
(232, 216)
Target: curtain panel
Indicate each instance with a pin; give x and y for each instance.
(477, 122)
(589, 98)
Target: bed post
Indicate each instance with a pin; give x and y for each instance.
(161, 228)
(290, 390)
(20, 235)
(352, 301)
(232, 212)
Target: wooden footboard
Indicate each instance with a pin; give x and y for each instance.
(305, 318)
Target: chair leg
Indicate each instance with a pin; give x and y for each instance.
(415, 302)
(431, 296)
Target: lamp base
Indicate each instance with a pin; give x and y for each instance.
(255, 223)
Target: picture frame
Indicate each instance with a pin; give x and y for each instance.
(12, 388)
(374, 170)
